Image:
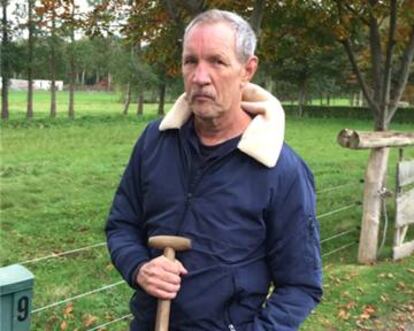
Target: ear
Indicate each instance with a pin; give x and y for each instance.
(249, 68)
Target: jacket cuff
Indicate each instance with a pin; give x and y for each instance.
(133, 281)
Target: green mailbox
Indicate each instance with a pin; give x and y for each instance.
(16, 288)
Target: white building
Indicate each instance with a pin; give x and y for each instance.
(38, 84)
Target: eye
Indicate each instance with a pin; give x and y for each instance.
(218, 61)
(190, 60)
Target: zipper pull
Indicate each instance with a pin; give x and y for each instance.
(231, 327)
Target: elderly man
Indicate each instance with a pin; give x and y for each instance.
(215, 170)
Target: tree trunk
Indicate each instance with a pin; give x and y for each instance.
(161, 103)
(5, 65)
(140, 108)
(109, 86)
(53, 66)
(97, 78)
(375, 176)
(127, 99)
(257, 16)
(29, 112)
(71, 110)
(269, 83)
(83, 77)
(302, 97)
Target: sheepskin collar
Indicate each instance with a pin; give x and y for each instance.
(263, 138)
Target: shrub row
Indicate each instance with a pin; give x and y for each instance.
(403, 115)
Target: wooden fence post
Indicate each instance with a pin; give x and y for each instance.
(374, 180)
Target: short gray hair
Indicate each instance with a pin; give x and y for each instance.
(245, 38)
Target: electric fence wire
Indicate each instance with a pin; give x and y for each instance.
(334, 188)
(337, 235)
(336, 210)
(79, 296)
(50, 256)
(111, 322)
(339, 249)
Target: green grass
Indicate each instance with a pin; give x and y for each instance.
(58, 178)
(86, 104)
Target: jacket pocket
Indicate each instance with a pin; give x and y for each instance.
(143, 306)
(251, 284)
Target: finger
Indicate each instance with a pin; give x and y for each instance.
(167, 287)
(170, 266)
(182, 270)
(253, 107)
(169, 277)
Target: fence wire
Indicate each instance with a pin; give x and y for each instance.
(50, 256)
(76, 297)
(335, 211)
(111, 322)
(334, 188)
(337, 235)
(339, 249)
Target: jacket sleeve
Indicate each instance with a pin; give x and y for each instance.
(293, 254)
(124, 228)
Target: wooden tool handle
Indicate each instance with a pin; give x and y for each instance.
(163, 315)
(163, 310)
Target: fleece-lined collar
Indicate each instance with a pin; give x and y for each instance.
(262, 139)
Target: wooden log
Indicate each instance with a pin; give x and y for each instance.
(362, 140)
(374, 179)
(405, 209)
(404, 250)
(405, 173)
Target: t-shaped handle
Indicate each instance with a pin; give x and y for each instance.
(170, 244)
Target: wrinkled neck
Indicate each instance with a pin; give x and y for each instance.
(213, 131)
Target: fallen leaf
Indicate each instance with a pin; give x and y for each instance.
(401, 285)
(68, 310)
(89, 320)
(367, 312)
(351, 304)
(343, 314)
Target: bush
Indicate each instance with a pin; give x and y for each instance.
(403, 115)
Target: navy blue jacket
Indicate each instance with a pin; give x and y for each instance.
(252, 228)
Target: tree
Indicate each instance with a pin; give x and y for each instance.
(71, 23)
(388, 28)
(5, 63)
(130, 73)
(30, 42)
(50, 11)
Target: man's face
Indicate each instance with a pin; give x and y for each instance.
(213, 75)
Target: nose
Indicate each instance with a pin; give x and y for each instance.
(201, 75)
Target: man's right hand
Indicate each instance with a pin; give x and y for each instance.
(161, 277)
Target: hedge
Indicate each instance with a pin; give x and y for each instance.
(403, 115)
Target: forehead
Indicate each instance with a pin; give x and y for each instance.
(210, 37)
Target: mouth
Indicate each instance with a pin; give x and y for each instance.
(201, 97)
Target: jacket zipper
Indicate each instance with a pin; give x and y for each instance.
(192, 185)
(228, 320)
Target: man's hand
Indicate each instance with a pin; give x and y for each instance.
(161, 277)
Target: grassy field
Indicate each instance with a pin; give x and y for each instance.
(58, 178)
